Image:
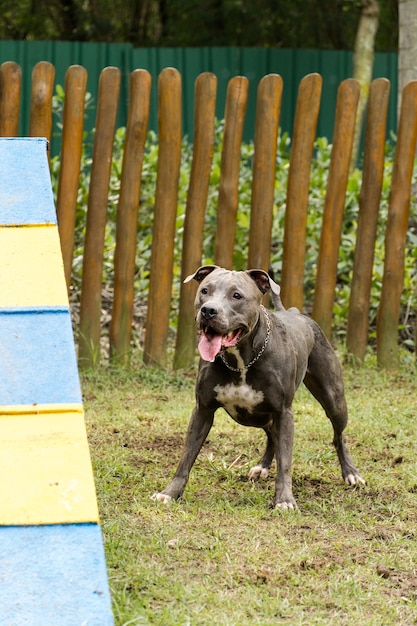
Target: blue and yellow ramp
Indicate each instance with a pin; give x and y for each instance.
(52, 564)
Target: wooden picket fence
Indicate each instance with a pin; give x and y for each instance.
(264, 164)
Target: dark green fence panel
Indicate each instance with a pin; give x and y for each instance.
(94, 57)
(254, 63)
(292, 65)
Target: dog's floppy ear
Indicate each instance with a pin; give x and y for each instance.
(264, 282)
(201, 273)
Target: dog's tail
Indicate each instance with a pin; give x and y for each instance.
(275, 297)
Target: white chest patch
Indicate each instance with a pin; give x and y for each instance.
(234, 397)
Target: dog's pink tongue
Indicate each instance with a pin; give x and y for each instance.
(209, 347)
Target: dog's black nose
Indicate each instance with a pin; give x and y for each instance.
(208, 312)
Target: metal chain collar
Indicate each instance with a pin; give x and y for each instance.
(261, 351)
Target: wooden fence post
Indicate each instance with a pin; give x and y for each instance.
(236, 101)
(204, 117)
(347, 101)
(169, 160)
(43, 76)
(268, 108)
(369, 199)
(127, 216)
(396, 231)
(302, 143)
(90, 305)
(71, 151)
(10, 90)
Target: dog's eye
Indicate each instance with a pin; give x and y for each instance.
(237, 295)
(204, 290)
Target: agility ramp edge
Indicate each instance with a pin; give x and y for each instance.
(52, 563)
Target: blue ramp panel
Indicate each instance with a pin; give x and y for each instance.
(53, 576)
(25, 190)
(38, 356)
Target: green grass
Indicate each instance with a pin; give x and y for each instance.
(221, 555)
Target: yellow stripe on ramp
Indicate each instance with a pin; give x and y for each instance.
(46, 475)
(31, 269)
(37, 409)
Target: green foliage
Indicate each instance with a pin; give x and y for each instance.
(319, 174)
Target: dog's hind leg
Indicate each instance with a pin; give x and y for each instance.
(324, 380)
(261, 470)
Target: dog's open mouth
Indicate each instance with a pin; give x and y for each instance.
(211, 342)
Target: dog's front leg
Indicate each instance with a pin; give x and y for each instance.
(282, 432)
(199, 427)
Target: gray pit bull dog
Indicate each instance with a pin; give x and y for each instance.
(252, 362)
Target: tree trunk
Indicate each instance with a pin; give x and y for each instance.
(363, 63)
(407, 54)
(407, 44)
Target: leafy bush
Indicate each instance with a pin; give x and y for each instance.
(319, 174)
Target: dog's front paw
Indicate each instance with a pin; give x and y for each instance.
(162, 497)
(286, 506)
(354, 479)
(258, 472)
